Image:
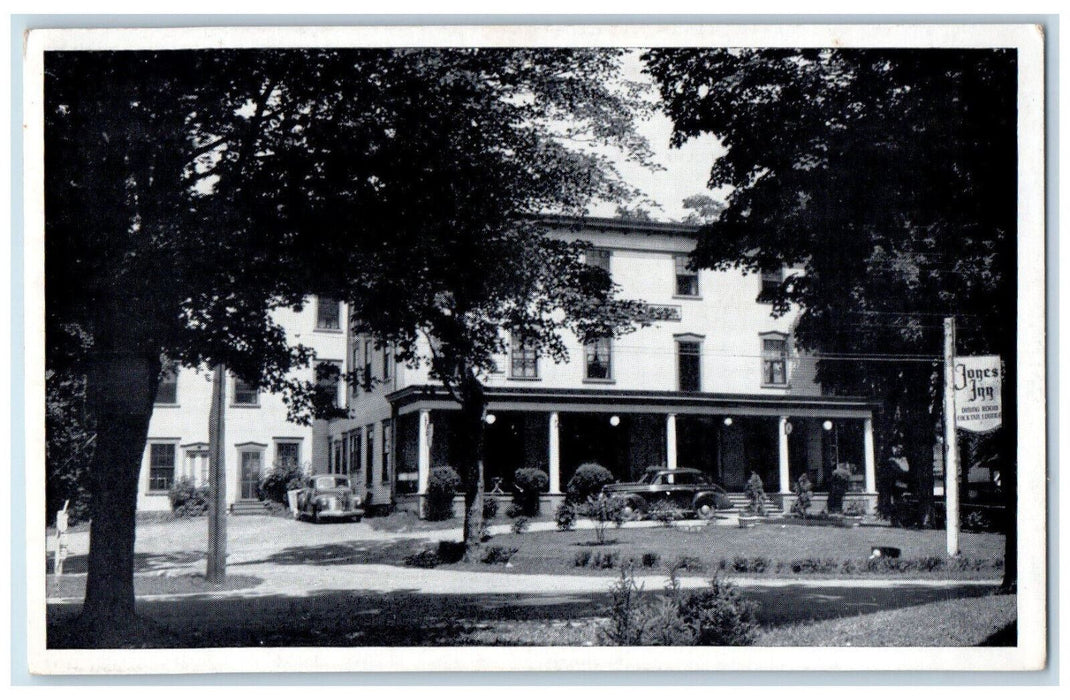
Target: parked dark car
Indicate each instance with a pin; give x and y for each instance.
(329, 496)
(686, 489)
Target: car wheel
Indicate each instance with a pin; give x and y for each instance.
(633, 509)
(705, 509)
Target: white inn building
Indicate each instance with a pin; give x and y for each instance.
(717, 386)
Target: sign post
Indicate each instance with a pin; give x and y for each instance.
(972, 402)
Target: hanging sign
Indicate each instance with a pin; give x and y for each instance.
(978, 405)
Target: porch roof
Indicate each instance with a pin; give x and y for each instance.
(605, 400)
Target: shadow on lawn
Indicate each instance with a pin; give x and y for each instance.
(404, 617)
(354, 552)
(143, 563)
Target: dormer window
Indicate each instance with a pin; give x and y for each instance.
(686, 278)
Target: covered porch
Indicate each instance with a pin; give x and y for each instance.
(726, 437)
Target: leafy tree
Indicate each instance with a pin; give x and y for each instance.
(889, 177)
(189, 194)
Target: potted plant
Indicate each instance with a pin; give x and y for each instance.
(755, 509)
(853, 512)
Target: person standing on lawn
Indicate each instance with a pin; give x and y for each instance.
(893, 483)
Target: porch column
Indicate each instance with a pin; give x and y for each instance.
(782, 454)
(868, 455)
(670, 441)
(555, 453)
(423, 459)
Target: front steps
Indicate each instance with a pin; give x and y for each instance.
(248, 507)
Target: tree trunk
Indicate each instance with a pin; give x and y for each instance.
(474, 412)
(122, 389)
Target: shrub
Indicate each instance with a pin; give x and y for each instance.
(187, 499)
(565, 517)
(450, 552)
(498, 554)
(803, 495)
(605, 560)
(520, 525)
(719, 616)
(442, 485)
(665, 512)
(490, 508)
(283, 477)
(854, 508)
(650, 559)
(425, 559)
(625, 624)
(839, 482)
(605, 511)
(582, 558)
(587, 482)
(528, 485)
(689, 563)
(514, 510)
(715, 616)
(755, 495)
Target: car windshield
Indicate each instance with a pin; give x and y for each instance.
(330, 482)
(650, 478)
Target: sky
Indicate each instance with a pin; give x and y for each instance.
(687, 168)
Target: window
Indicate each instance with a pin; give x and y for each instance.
(524, 360)
(354, 363)
(385, 477)
(328, 377)
(167, 389)
(354, 452)
(328, 314)
(598, 358)
(161, 466)
(386, 363)
(336, 457)
(245, 394)
(287, 453)
(367, 377)
(369, 454)
(598, 257)
(686, 279)
(689, 362)
(771, 280)
(774, 360)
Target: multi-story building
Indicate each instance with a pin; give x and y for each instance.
(257, 432)
(716, 385)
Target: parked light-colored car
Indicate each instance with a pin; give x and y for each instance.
(329, 496)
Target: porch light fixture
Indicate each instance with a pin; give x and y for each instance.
(827, 425)
(490, 418)
(614, 421)
(728, 420)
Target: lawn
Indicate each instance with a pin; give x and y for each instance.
(768, 549)
(988, 620)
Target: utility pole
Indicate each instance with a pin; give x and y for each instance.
(951, 447)
(217, 481)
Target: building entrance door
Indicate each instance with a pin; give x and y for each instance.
(250, 474)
